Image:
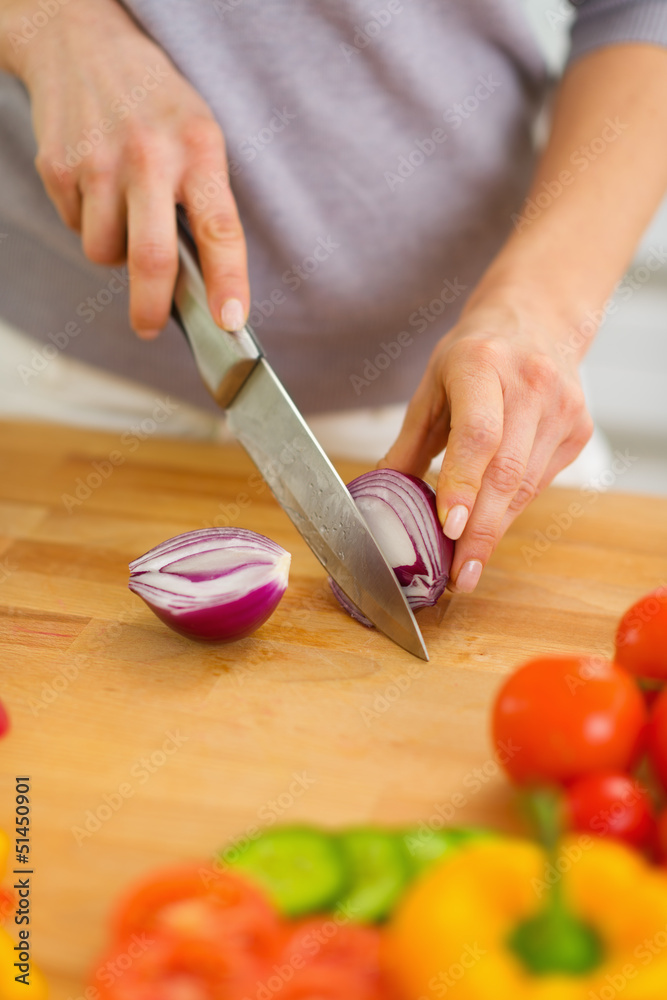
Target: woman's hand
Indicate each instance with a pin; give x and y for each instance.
(501, 389)
(502, 392)
(122, 138)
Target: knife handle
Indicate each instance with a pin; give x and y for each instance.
(225, 360)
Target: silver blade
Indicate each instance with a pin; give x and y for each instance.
(312, 494)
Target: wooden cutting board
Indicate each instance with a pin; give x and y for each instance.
(144, 748)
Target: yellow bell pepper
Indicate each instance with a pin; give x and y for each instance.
(450, 937)
(36, 987)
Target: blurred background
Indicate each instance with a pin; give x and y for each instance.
(625, 372)
(626, 369)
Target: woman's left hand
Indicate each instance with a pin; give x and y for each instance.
(502, 392)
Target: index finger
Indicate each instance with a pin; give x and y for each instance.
(476, 431)
(217, 230)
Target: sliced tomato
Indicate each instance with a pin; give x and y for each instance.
(198, 902)
(326, 981)
(168, 968)
(329, 940)
(324, 950)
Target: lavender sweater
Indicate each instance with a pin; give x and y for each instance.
(378, 149)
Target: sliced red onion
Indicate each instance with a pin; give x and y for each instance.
(401, 512)
(218, 584)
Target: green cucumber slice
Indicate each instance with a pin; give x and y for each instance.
(300, 868)
(424, 846)
(378, 871)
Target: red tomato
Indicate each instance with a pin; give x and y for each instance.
(641, 637)
(611, 804)
(200, 903)
(329, 982)
(332, 960)
(323, 939)
(558, 718)
(147, 967)
(657, 737)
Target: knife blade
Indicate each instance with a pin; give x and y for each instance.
(269, 426)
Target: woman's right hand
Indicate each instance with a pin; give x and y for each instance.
(122, 138)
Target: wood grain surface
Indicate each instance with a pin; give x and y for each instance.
(314, 718)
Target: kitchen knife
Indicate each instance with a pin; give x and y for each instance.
(269, 426)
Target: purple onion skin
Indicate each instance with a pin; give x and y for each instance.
(217, 616)
(406, 574)
(213, 624)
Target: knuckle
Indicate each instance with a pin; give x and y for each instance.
(482, 538)
(525, 494)
(582, 433)
(150, 257)
(48, 165)
(539, 373)
(477, 433)
(142, 154)
(202, 137)
(221, 229)
(506, 474)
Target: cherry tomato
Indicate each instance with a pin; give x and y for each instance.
(641, 637)
(611, 804)
(558, 718)
(657, 737)
(152, 967)
(200, 903)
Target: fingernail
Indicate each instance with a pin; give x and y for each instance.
(148, 334)
(232, 315)
(456, 521)
(468, 577)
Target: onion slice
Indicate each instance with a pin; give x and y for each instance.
(216, 584)
(401, 512)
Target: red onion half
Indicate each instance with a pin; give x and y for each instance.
(217, 584)
(401, 512)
